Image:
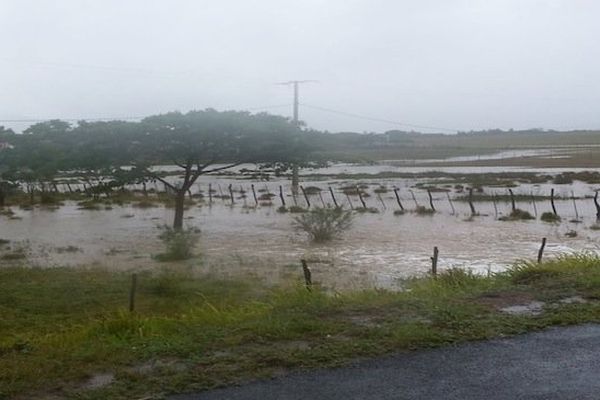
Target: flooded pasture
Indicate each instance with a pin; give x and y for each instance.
(379, 250)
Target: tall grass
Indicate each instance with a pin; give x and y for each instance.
(60, 326)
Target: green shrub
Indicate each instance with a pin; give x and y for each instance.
(179, 243)
(517, 215)
(323, 224)
(550, 217)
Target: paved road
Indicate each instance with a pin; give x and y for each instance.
(560, 363)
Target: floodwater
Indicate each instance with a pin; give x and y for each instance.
(241, 239)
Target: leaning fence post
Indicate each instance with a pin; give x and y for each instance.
(414, 198)
(473, 212)
(349, 201)
(541, 251)
(305, 197)
(597, 206)
(552, 202)
(307, 275)
(512, 199)
(450, 201)
(281, 196)
(362, 201)
(382, 202)
(231, 194)
(132, 291)
(434, 261)
(398, 199)
(321, 197)
(575, 206)
(254, 195)
(534, 205)
(430, 200)
(495, 205)
(333, 197)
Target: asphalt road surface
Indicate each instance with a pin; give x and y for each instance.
(559, 363)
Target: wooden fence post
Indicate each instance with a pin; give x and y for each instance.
(132, 291)
(221, 192)
(231, 194)
(597, 206)
(333, 197)
(281, 196)
(305, 196)
(512, 199)
(254, 195)
(434, 261)
(362, 201)
(575, 206)
(473, 212)
(322, 201)
(307, 275)
(534, 205)
(349, 201)
(382, 202)
(398, 199)
(430, 199)
(541, 251)
(451, 204)
(414, 198)
(552, 202)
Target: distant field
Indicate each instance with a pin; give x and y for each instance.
(571, 149)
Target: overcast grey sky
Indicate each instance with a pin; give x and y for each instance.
(455, 64)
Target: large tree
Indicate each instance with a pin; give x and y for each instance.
(204, 142)
(112, 154)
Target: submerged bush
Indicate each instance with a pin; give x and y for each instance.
(550, 217)
(422, 210)
(518, 215)
(179, 243)
(323, 224)
(297, 209)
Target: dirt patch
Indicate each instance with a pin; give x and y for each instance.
(573, 300)
(530, 309)
(499, 300)
(99, 381)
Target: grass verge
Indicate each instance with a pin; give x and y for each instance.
(65, 333)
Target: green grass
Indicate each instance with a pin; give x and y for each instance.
(61, 326)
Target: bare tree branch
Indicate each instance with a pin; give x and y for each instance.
(159, 178)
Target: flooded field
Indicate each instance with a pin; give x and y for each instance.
(380, 248)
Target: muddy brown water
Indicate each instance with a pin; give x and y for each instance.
(378, 251)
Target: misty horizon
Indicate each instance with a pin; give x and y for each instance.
(379, 66)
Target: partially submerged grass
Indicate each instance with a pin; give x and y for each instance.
(550, 217)
(422, 210)
(61, 326)
(517, 215)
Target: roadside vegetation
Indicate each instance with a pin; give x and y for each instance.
(67, 333)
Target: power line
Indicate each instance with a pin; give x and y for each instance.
(387, 121)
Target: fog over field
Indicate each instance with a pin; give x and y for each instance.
(456, 65)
